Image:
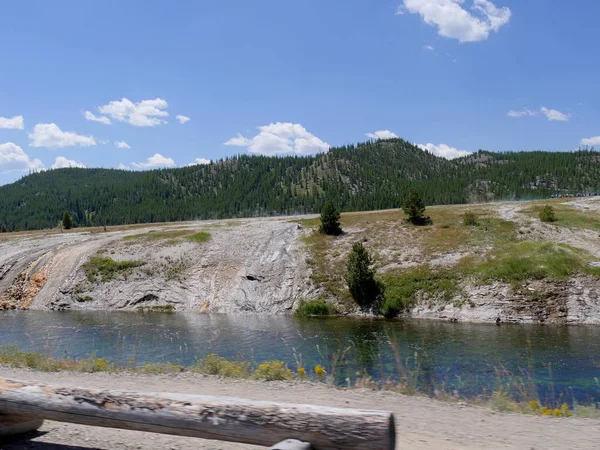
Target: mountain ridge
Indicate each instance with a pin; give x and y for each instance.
(365, 176)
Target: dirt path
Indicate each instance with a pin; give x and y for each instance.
(421, 423)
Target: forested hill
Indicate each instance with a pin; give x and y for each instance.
(372, 175)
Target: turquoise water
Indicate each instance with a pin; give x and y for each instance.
(563, 362)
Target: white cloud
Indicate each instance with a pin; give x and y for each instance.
(595, 140)
(443, 150)
(453, 21)
(122, 144)
(239, 141)
(281, 138)
(182, 119)
(92, 117)
(522, 113)
(122, 166)
(199, 162)
(61, 162)
(147, 113)
(12, 123)
(51, 136)
(155, 161)
(13, 158)
(382, 134)
(553, 114)
(428, 47)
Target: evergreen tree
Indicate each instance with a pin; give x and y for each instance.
(414, 208)
(360, 276)
(67, 220)
(330, 220)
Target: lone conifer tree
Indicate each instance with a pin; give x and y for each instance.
(67, 220)
(360, 277)
(414, 208)
(330, 219)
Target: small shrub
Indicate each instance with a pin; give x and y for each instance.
(157, 308)
(273, 371)
(93, 364)
(330, 220)
(547, 214)
(216, 365)
(360, 276)
(317, 307)
(401, 289)
(414, 208)
(102, 269)
(470, 219)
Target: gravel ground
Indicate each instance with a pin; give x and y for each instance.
(422, 423)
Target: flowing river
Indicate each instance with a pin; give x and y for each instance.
(561, 363)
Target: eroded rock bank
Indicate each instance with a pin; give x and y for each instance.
(266, 266)
(253, 266)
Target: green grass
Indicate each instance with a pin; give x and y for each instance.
(200, 238)
(160, 235)
(317, 307)
(531, 260)
(568, 216)
(157, 308)
(171, 237)
(402, 288)
(100, 269)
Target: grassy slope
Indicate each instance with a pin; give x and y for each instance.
(434, 261)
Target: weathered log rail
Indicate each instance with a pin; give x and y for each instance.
(23, 407)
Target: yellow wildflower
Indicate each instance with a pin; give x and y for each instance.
(320, 371)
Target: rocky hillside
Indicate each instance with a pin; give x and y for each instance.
(509, 266)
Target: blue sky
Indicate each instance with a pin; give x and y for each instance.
(275, 77)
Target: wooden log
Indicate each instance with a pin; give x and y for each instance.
(12, 425)
(217, 418)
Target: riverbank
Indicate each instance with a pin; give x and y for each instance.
(422, 423)
(507, 267)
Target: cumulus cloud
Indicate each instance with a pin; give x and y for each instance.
(13, 158)
(155, 161)
(12, 123)
(522, 113)
(281, 138)
(428, 47)
(595, 140)
(122, 166)
(147, 113)
(199, 162)
(443, 150)
(382, 134)
(553, 114)
(61, 162)
(51, 136)
(182, 119)
(94, 118)
(122, 144)
(454, 21)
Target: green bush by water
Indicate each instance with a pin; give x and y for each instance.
(401, 289)
(318, 307)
